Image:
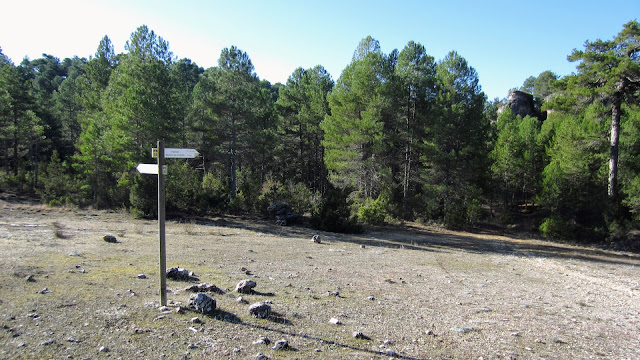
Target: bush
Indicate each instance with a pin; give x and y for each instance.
(215, 193)
(144, 196)
(373, 212)
(555, 227)
(334, 213)
(58, 186)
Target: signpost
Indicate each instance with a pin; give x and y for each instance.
(161, 153)
(176, 153)
(161, 233)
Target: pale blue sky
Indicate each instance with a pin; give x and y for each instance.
(505, 41)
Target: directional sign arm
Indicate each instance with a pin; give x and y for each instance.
(176, 153)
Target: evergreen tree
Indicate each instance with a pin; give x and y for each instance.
(224, 100)
(23, 131)
(185, 74)
(302, 105)
(517, 157)
(415, 96)
(353, 130)
(457, 161)
(573, 180)
(97, 157)
(608, 70)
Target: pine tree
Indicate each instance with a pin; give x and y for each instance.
(353, 132)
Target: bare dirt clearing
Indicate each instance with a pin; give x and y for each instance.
(414, 293)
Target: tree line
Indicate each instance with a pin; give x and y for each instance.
(398, 136)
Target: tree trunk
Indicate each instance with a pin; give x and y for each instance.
(16, 128)
(613, 153)
(233, 151)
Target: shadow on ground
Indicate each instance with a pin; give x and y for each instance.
(414, 237)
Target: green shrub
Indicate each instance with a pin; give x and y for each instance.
(58, 186)
(215, 193)
(373, 212)
(334, 213)
(144, 196)
(555, 227)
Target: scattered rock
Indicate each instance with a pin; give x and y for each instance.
(261, 356)
(204, 287)
(335, 321)
(245, 286)
(260, 310)
(332, 293)
(201, 302)
(463, 330)
(192, 346)
(48, 342)
(110, 239)
(30, 278)
(362, 246)
(316, 239)
(262, 341)
(558, 341)
(44, 291)
(180, 274)
(241, 300)
(142, 276)
(179, 310)
(430, 332)
(196, 320)
(360, 335)
(391, 353)
(281, 345)
(371, 297)
(103, 349)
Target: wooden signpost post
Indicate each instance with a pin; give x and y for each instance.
(162, 153)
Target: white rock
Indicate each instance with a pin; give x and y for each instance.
(281, 345)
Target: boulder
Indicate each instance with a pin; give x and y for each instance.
(201, 302)
(281, 345)
(260, 310)
(245, 286)
(110, 239)
(179, 274)
(204, 287)
(523, 104)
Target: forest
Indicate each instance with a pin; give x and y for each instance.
(397, 137)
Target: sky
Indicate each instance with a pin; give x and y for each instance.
(505, 41)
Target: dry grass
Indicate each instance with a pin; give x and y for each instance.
(420, 292)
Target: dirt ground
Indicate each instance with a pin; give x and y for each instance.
(414, 292)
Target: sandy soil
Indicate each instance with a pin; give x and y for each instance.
(413, 292)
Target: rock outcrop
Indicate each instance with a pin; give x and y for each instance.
(523, 104)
